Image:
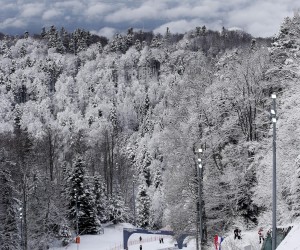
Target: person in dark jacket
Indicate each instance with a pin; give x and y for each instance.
(236, 233)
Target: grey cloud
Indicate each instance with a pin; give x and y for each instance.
(260, 18)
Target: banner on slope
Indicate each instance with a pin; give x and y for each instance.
(218, 240)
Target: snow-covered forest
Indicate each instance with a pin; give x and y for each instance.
(113, 126)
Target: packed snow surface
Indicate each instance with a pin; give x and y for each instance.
(292, 240)
(112, 239)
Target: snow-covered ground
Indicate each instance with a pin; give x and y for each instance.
(112, 239)
(292, 240)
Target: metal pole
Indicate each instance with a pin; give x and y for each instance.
(197, 207)
(274, 174)
(200, 195)
(134, 219)
(200, 206)
(77, 231)
(21, 217)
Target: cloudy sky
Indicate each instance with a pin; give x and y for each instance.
(105, 17)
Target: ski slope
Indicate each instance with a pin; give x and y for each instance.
(112, 239)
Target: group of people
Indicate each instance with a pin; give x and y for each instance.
(161, 240)
(237, 234)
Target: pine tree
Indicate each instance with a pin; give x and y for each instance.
(52, 36)
(82, 201)
(295, 190)
(143, 207)
(88, 219)
(76, 191)
(9, 216)
(101, 199)
(118, 211)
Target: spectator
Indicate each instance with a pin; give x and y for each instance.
(240, 234)
(261, 235)
(236, 233)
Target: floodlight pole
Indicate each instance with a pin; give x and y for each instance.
(134, 219)
(21, 218)
(199, 171)
(77, 231)
(273, 114)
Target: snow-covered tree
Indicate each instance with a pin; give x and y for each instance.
(88, 216)
(9, 211)
(101, 199)
(118, 211)
(143, 207)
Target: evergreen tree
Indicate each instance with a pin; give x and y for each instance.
(118, 211)
(76, 192)
(101, 199)
(82, 201)
(52, 36)
(295, 190)
(143, 207)
(88, 219)
(9, 216)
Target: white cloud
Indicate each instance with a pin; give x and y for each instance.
(106, 31)
(260, 19)
(12, 23)
(51, 14)
(31, 10)
(148, 10)
(96, 11)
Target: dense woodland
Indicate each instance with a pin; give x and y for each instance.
(102, 126)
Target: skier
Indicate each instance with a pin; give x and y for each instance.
(141, 247)
(140, 238)
(162, 240)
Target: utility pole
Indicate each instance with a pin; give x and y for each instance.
(274, 119)
(134, 219)
(21, 218)
(77, 231)
(200, 195)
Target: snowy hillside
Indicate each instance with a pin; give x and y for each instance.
(94, 133)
